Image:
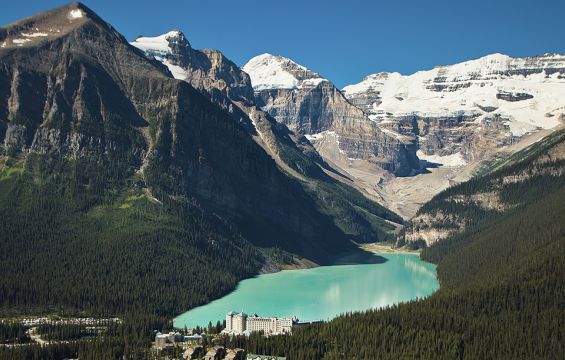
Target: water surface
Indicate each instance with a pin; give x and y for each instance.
(322, 293)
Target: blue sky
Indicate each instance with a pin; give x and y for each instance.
(342, 40)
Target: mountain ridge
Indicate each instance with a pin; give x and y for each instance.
(314, 107)
(229, 87)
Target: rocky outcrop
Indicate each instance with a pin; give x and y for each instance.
(313, 106)
(205, 69)
(508, 96)
(426, 229)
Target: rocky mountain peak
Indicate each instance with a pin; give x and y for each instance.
(46, 26)
(172, 43)
(269, 71)
(311, 105)
(207, 70)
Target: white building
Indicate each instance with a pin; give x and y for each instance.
(235, 323)
(240, 323)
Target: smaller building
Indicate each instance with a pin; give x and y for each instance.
(215, 353)
(264, 357)
(193, 352)
(161, 340)
(193, 339)
(235, 354)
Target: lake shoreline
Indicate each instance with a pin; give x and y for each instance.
(355, 256)
(323, 292)
(382, 248)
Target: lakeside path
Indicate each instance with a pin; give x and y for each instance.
(387, 249)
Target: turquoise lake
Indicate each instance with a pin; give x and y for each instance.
(322, 293)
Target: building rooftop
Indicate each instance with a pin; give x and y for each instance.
(264, 357)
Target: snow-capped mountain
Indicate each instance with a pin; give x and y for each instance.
(276, 72)
(205, 69)
(229, 87)
(313, 106)
(467, 110)
(453, 117)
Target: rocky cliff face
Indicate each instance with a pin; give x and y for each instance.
(217, 77)
(311, 105)
(470, 109)
(205, 69)
(60, 91)
(71, 85)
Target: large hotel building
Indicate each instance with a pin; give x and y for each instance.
(240, 323)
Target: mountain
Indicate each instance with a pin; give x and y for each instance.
(467, 109)
(461, 117)
(313, 106)
(123, 185)
(439, 126)
(218, 78)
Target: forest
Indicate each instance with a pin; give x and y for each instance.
(99, 254)
(100, 248)
(502, 293)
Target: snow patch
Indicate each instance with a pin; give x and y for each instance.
(452, 160)
(177, 71)
(74, 14)
(520, 129)
(35, 34)
(276, 72)
(20, 42)
(313, 82)
(156, 45)
(320, 135)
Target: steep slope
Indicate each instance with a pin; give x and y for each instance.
(509, 186)
(224, 83)
(126, 185)
(83, 114)
(311, 105)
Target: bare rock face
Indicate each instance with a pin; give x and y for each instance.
(217, 77)
(205, 69)
(313, 106)
(59, 89)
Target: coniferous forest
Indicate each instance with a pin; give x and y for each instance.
(502, 292)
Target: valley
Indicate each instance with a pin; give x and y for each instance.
(148, 188)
